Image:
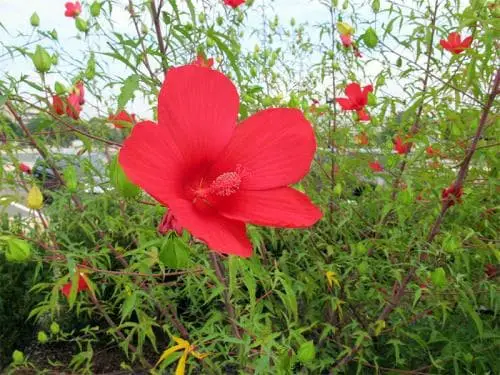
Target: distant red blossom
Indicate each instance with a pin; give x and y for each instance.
(346, 40)
(168, 223)
(58, 105)
(234, 3)
(73, 9)
(361, 139)
(213, 175)
(376, 166)
(430, 151)
(490, 270)
(82, 285)
(356, 100)
(203, 62)
(73, 107)
(452, 195)
(122, 119)
(80, 91)
(401, 147)
(24, 168)
(455, 44)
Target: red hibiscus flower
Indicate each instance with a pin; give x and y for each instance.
(24, 168)
(356, 100)
(401, 147)
(455, 44)
(452, 195)
(169, 222)
(82, 285)
(234, 3)
(122, 119)
(73, 107)
(346, 40)
(80, 91)
(215, 176)
(58, 105)
(202, 61)
(73, 9)
(376, 166)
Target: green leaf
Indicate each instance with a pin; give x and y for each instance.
(174, 253)
(130, 85)
(120, 180)
(70, 178)
(370, 38)
(18, 250)
(307, 352)
(438, 277)
(128, 306)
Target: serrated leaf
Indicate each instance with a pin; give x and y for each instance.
(128, 89)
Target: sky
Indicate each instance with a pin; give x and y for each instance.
(15, 14)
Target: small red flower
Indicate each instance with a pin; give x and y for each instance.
(169, 222)
(80, 91)
(73, 9)
(58, 105)
(313, 108)
(24, 168)
(346, 40)
(82, 285)
(452, 195)
(455, 44)
(401, 147)
(213, 175)
(376, 166)
(431, 151)
(203, 62)
(234, 3)
(122, 119)
(73, 107)
(356, 100)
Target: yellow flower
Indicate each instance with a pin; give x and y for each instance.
(35, 198)
(345, 28)
(331, 278)
(187, 348)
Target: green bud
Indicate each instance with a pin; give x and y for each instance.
(59, 88)
(144, 29)
(372, 99)
(307, 352)
(240, 18)
(41, 59)
(42, 337)
(201, 17)
(292, 22)
(399, 62)
(35, 20)
(81, 25)
(210, 42)
(95, 9)
(54, 328)
(55, 59)
(18, 250)
(18, 357)
(370, 38)
(219, 20)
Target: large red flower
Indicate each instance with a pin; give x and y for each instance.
(213, 175)
(452, 195)
(73, 107)
(234, 3)
(58, 105)
(356, 100)
(455, 44)
(73, 9)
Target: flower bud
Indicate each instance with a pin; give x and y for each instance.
(41, 59)
(95, 9)
(35, 20)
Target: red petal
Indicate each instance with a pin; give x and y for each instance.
(199, 107)
(353, 91)
(454, 39)
(445, 45)
(363, 116)
(219, 233)
(66, 289)
(273, 148)
(282, 207)
(345, 103)
(151, 160)
(466, 43)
